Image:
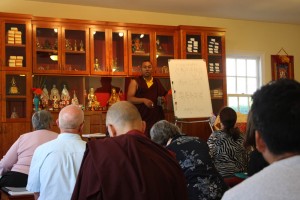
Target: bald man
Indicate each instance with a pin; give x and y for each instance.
(128, 166)
(55, 164)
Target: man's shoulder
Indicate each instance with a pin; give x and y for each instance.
(47, 146)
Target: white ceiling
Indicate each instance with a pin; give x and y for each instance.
(279, 11)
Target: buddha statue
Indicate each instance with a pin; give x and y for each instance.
(93, 104)
(114, 97)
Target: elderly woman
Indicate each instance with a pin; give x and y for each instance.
(203, 180)
(226, 145)
(14, 167)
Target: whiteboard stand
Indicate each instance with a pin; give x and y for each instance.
(193, 122)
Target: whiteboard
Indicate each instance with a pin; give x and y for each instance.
(190, 88)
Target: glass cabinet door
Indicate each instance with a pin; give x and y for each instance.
(165, 49)
(46, 49)
(119, 56)
(99, 51)
(140, 50)
(15, 45)
(75, 48)
(192, 46)
(16, 104)
(109, 52)
(215, 59)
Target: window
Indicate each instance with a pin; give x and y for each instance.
(243, 78)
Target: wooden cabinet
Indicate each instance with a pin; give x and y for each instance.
(15, 42)
(208, 44)
(108, 51)
(156, 44)
(77, 53)
(166, 48)
(60, 48)
(15, 76)
(140, 49)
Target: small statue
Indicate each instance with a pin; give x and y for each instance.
(65, 93)
(93, 104)
(96, 65)
(114, 97)
(14, 114)
(137, 46)
(45, 97)
(81, 46)
(75, 46)
(47, 44)
(54, 95)
(75, 99)
(65, 97)
(13, 88)
(38, 45)
(68, 45)
(159, 47)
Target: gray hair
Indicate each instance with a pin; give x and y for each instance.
(41, 120)
(162, 131)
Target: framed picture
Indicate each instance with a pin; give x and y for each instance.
(282, 66)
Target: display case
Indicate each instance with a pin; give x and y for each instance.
(140, 49)
(52, 85)
(191, 43)
(108, 51)
(16, 96)
(208, 44)
(215, 54)
(166, 48)
(60, 48)
(15, 43)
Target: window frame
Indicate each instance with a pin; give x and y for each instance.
(259, 59)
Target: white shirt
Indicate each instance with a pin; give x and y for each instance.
(278, 181)
(55, 166)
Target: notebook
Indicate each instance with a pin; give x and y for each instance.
(15, 191)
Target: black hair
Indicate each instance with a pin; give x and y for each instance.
(276, 115)
(228, 118)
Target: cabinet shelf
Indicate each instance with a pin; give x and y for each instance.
(165, 55)
(16, 45)
(15, 96)
(214, 54)
(141, 54)
(46, 51)
(193, 53)
(75, 52)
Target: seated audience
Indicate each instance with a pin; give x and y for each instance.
(203, 180)
(55, 164)
(256, 160)
(14, 167)
(128, 165)
(226, 145)
(276, 117)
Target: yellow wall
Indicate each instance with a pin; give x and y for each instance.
(246, 37)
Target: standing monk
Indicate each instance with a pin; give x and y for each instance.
(144, 91)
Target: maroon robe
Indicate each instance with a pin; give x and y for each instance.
(150, 115)
(129, 167)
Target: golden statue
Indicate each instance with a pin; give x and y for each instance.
(54, 93)
(75, 99)
(13, 88)
(114, 97)
(93, 104)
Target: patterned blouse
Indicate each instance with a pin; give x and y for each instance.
(203, 180)
(229, 156)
